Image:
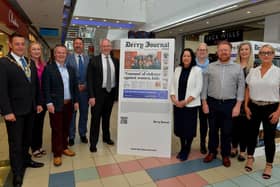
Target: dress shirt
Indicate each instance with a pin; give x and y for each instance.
(264, 88)
(77, 58)
(17, 58)
(104, 67)
(224, 81)
(65, 78)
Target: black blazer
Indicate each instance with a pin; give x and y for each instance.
(53, 89)
(95, 76)
(17, 94)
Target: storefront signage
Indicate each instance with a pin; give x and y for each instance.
(231, 36)
(12, 19)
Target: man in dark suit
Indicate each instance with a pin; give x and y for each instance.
(79, 61)
(18, 104)
(60, 89)
(103, 79)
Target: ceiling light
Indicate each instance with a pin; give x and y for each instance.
(73, 24)
(77, 18)
(130, 22)
(104, 20)
(98, 26)
(223, 31)
(117, 21)
(180, 30)
(207, 22)
(90, 19)
(170, 32)
(86, 25)
(249, 12)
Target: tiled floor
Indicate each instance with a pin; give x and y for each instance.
(108, 169)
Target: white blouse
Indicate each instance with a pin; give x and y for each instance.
(266, 88)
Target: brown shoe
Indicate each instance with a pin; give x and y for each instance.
(226, 161)
(209, 157)
(68, 152)
(57, 161)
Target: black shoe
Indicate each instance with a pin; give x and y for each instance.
(17, 181)
(71, 142)
(203, 149)
(93, 149)
(84, 139)
(241, 158)
(109, 142)
(33, 164)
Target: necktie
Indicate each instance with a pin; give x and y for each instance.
(108, 83)
(81, 70)
(25, 68)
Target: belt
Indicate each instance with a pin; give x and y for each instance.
(67, 101)
(263, 103)
(221, 100)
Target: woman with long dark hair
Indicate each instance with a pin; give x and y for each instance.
(185, 96)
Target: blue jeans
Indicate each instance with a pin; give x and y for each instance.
(83, 109)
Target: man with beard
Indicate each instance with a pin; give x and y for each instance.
(222, 94)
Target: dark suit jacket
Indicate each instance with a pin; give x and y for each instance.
(53, 89)
(95, 76)
(17, 94)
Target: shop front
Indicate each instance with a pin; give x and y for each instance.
(10, 22)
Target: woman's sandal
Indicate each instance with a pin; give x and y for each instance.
(248, 167)
(267, 175)
(37, 154)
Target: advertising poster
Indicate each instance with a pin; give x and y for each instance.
(145, 110)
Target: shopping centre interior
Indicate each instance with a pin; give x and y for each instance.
(189, 23)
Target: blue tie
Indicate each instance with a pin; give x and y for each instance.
(25, 68)
(81, 70)
(23, 62)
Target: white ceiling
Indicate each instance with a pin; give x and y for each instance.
(159, 17)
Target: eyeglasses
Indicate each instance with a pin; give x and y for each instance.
(202, 50)
(268, 53)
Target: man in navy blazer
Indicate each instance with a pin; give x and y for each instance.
(60, 91)
(79, 62)
(103, 89)
(19, 90)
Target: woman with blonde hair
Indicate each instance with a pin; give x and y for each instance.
(35, 54)
(240, 123)
(262, 105)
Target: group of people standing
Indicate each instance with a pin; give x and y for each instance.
(70, 82)
(233, 98)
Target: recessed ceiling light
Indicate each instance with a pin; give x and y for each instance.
(90, 19)
(207, 22)
(77, 18)
(130, 22)
(117, 21)
(73, 24)
(104, 20)
(249, 12)
(223, 31)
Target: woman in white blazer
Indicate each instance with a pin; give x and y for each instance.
(185, 96)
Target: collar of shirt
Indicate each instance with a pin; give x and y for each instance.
(59, 65)
(225, 64)
(17, 58)
(104, 56)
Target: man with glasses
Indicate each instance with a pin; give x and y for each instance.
(103, 79)
(202, 61)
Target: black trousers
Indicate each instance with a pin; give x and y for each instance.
(102, 109)
(220, 117)
(261, 114)
(240, 132)
(203, 125)
(37, 132)
(19, 139)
